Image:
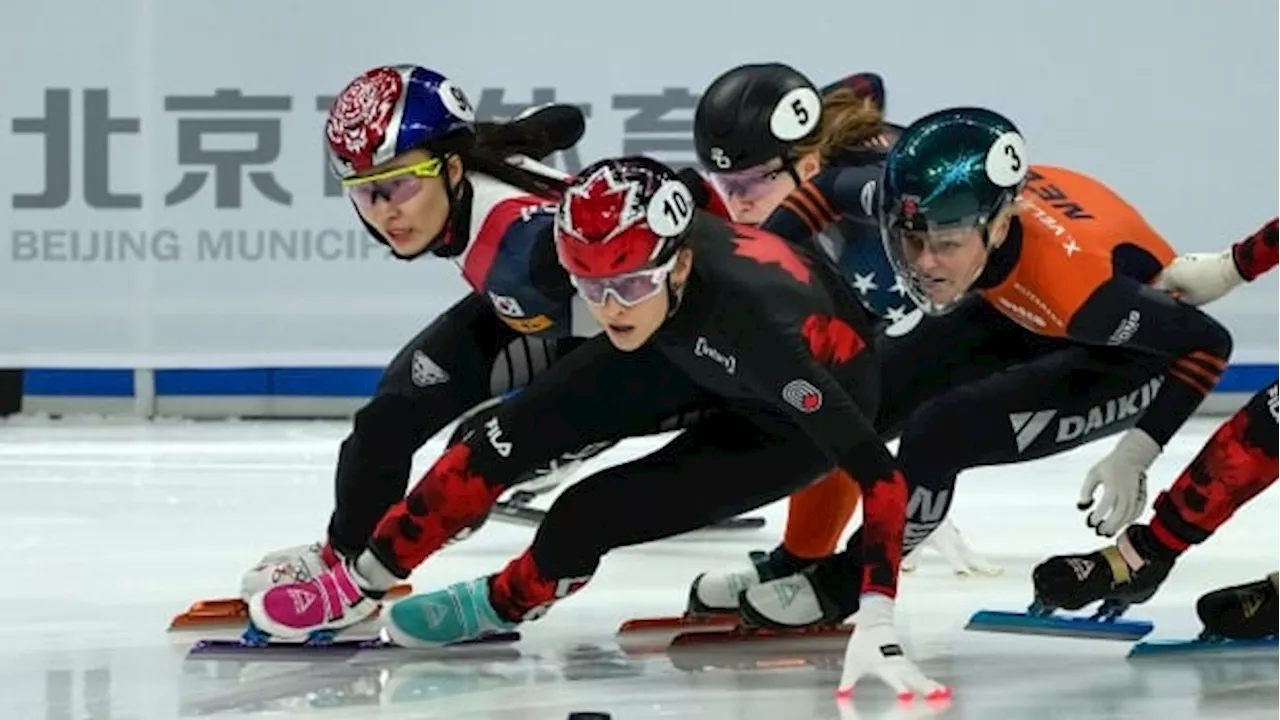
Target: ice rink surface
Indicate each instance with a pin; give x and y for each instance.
(111, 528)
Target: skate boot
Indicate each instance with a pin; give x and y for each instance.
(314, 609)
(291, 565)
(819, 595)
(1120, 575)
(1242, 612)
(458, 613)
(718, 593)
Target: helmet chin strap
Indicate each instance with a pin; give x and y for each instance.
(455, 236)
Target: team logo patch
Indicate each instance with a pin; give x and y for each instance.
(802, 395)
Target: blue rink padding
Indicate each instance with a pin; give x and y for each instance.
(348, 381)
(1266, 647)
(1021, 623)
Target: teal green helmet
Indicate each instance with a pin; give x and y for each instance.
(948, 176)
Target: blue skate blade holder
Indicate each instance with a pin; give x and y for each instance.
(1266, 647)
(1040, 620)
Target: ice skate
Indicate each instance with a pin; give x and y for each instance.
(717, 593)
(796, 601)
(296, 564)
(1240, 612)
(459, 613)
(947, 542)
(314, 609)
(1120, 575)
(1239, 620)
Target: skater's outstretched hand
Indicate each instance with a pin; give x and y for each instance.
(1123, 478)
(1199, 278)
(873, 650)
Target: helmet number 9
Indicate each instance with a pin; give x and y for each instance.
(456, 102)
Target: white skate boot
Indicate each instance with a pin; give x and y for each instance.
(791, 603)
(290, 565)
(717, 593)
(946, 541)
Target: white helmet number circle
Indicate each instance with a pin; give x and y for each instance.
(1007, 160)
(456, 102)
(796, 114)
(670, 209)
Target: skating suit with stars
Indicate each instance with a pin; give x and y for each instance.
(511, 260)
(835, 210)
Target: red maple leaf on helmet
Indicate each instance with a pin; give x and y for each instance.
(601, 207)
(768, 249)
(831, 340)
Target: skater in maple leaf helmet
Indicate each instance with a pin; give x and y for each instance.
(967, 220)
(1237, 464)
(428, 180)
(805, 162)
(696, 312)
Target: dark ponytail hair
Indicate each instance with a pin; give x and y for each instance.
(536, 136)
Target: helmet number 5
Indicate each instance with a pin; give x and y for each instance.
(802, 112)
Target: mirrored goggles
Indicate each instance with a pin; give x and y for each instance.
(629, 289)
(395, 186)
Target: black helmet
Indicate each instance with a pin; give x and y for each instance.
(952, 169)
(753, 114)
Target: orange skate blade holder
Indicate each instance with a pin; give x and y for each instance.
(224, 611)
(679, 622)
(749, 634)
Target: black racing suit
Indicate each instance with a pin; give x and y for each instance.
(766, 335)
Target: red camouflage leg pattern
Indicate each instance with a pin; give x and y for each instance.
(521, 592)
(884, 512)
(448, 499)
(1229, 470)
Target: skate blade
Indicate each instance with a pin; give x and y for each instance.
(711, 621)
(652, 636)
(225, 613)
(1266, 647)
(1058, 625)
(772, 636)
(341, 646)
(737, 523)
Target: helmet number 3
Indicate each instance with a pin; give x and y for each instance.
(1006, 160)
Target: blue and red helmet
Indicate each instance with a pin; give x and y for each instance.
(390, 110)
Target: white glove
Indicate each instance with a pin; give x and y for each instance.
(873, 649)
(946, 540)
(1199, 278)
(1123, 477)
